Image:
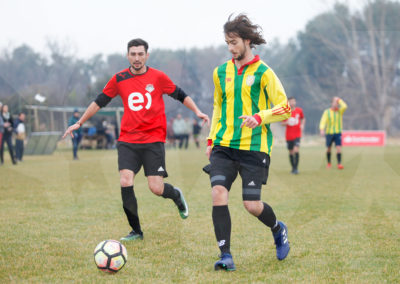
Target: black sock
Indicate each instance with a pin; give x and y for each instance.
(268, 217)
(129, 203)
(291, 157)
(222, 227)
(339, 158)
(328, 157)
(170, 192)
(296, 160)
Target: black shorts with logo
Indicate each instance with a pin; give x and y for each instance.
(132, 156)
(252, 166)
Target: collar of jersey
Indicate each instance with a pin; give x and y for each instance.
(255, 59)
(130, 72)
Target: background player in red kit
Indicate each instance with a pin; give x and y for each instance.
(143, 129)
(294, 128)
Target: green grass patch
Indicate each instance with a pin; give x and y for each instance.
(343, 225)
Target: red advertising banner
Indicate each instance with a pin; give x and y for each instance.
(364, 138)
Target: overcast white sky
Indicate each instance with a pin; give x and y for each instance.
(88, 27)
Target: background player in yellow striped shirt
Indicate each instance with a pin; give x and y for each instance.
(248, 96)
(331, 126)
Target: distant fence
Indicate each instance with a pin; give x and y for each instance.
(364, 138)
(42, 143)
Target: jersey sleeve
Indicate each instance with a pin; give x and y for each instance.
(217, 105)
(275, 93)
(322, 123)
(342, 106)
(167, 86)
(111, 88)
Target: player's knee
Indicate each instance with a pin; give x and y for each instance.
(125, 180)
(156, 188)
(253, 207)
(219, 195)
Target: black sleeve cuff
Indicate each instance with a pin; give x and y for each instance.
(102, 100)
(179, 94)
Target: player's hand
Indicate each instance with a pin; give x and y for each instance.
(204, 117)
(322, 132)
(248, 121)
(208, 152)
(70, 130)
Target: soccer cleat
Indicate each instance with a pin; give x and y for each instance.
(132, 236)
(340, 167)
(182, 205)
(281, 242)
(225, 263)
(295, 172)
(329, 165)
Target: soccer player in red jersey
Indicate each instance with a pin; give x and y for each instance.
(143, 129)
(294, 128)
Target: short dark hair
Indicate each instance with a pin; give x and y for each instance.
(244, 28)
(291, 98)
(138, 42)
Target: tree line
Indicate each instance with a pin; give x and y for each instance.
(351, 54)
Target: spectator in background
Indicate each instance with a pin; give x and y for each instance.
(179, 127)
(21, 135)
(7, 134)
(170, 133)
(196, 132)
(1, 126)
(77, 133)
(188, 131)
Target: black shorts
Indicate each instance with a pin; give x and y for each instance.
(151, 155)
(293, 143)
(252, 166)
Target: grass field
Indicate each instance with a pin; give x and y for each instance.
(343, 225)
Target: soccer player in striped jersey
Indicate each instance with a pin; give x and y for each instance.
(331, 126)
(248, 97)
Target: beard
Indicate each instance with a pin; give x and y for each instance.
(241, 55)
(137, 68)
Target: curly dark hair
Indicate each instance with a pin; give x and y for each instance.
(244, 28)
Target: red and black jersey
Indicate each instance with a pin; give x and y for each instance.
(144, 119)
(293, 129)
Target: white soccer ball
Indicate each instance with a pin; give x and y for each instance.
(110, 256)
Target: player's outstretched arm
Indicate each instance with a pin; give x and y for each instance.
(89, 112)
(190, 104)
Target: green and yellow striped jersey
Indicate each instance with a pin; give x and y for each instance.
(254, 89)
(332, 120)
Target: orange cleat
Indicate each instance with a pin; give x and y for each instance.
(340, 167)
(328, 166)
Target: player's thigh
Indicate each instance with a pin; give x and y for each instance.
(223, 169)
(153, 156)
(129, 157)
